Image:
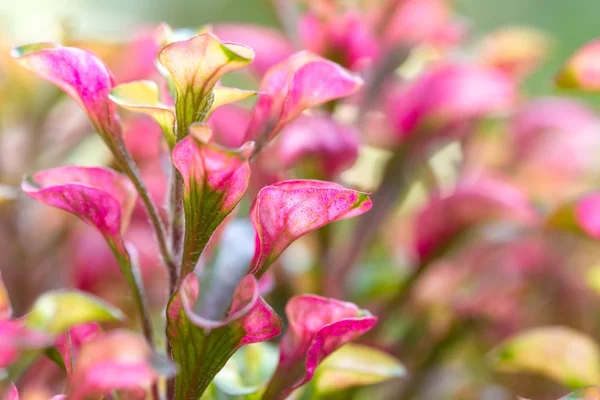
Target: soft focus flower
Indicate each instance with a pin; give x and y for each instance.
(415, 21)
(554, 144)
(332, 146)
(516, 50)
(117, 360)
(288, 210)
(143, 139)
(473, 201)
(317, 327)
(229, 124)
(346, 39)
(582, 70)
(136, 60)
(448, 96)
(587, 214)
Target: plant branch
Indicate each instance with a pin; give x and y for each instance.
(454, 335)
(130, 270)
(394, 186)
(130, 169)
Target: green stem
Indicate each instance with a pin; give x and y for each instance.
(130, 169)
(133, 276)
(176, 219)
(131, 272)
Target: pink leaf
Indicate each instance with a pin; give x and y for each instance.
(288, 210)
(317, 327)
(302, 81)
(215, 180)
(98, 196)
(80, 74)
(116, 361)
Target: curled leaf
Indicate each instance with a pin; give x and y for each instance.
(195, 66)
(215, 180)
(226, 95)
(80, 74)
(356, 365)
(116, 361)
(317, 327)
(143, 97)
(98, 196)
(288, 210)
(202, 346)
(556, 352)
(56, 312)
(302, 81)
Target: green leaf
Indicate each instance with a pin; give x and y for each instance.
(356, 365)
(248, 370)
(55, 312)
(201, 346)
(558, 353)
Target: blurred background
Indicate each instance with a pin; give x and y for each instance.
(495, 281)
(570, 23)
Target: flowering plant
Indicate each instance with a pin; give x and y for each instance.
(219, 220)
